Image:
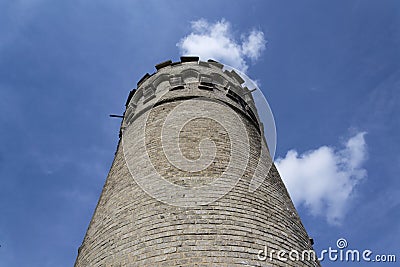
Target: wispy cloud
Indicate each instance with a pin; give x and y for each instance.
(324, 180)
(216, 41)
(21, 12)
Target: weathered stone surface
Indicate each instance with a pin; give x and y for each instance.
(132, 228)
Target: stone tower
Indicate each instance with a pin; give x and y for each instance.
(186, 187)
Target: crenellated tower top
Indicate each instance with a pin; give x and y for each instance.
(176, 81)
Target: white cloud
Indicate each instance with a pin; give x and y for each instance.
(324, 180)
(253, 45)
(216, 41)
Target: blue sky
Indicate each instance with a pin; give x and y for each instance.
(330, 70)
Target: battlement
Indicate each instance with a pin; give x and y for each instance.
(190, 78)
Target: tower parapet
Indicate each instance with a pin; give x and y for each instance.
(189, 79)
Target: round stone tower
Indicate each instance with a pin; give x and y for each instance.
(192, 183)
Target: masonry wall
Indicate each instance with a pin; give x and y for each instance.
(132, 228)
